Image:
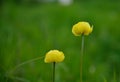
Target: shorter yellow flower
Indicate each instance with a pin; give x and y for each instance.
(82, 28)
(54, 56)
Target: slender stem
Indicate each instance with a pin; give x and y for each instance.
(53, 72)
(81, 57)
(114, 76)
(26, 62)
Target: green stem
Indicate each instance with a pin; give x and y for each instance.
(81, 58)
(105, 80)
(114, 76)
(26, 62)
(53, 72)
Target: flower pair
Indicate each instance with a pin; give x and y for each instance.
(81, 28)
(55, 56)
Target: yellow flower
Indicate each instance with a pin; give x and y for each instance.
(82, 28)
(54, 56)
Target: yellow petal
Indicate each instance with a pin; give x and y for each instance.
(81, 28)
(54, 56)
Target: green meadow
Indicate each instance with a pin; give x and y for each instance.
(29, 30)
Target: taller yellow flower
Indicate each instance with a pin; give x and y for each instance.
(82, 28)
(54, 56)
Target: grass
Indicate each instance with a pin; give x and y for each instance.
(27, 32)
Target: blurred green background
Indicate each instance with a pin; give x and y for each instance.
(30, 28)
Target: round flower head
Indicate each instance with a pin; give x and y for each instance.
(54, 56)
(82, 28)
